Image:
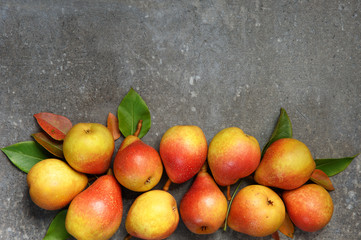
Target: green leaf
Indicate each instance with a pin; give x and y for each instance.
(130, 111)
(283, 129)
(24, 155)
(333, 166)
(57, 230)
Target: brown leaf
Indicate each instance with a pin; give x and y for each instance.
(321, 178)
(287, 227)
(112, 125)
(56, 126)
(275, 236)
(53, 146)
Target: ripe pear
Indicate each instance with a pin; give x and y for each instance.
(203, 208)
(310, 207)
(88, 148)
(137, 166)
(96, 213)
(286, 164)
(53, 183)
(232, 154)
(153, 215)
(183, 150)
(257, 211)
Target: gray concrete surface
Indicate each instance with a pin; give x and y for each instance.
(213, 64)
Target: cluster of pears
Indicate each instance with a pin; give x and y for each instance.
(95, 212)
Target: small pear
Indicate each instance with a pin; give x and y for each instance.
(96, 213)
(53, 183)
(137, 166)
(183, 150)
(203, 208)
(153, 215)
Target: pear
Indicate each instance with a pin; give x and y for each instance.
(310, 207)
(53, 183)
(203, 208)
(286, 164)
(153, 215)
(89, 147)
(183, 150)
(257, 211)
(232, 154)
(96, 213)
(137, 166)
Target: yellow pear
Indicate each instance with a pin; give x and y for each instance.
(153, 215)
(53, 183)
(89, 147)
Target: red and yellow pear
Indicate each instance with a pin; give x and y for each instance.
(232, 155)
(203, 208)
(96, 213)
(88, 148)
(286, 164)
(310, 207)
(137, 166)
(183, 150)
(257, 211)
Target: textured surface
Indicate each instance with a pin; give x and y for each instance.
(213, 64)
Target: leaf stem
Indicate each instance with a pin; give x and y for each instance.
(229, 205)
(166, 185)
(139, 127)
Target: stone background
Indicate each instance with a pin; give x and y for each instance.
(213, 64)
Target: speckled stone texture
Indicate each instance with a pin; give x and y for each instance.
(213, 64)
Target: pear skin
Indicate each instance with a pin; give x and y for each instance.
(203, 208)
(183, 150)
(310, 207)
(89, 147)
(137, 166)
(153, 215)
(257, 211)
(53, 183)
(232, 155)
(286, 164)
(96, 213)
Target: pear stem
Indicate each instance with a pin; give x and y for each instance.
(204, 167)
(110, 172)
(166, 185)
(128, 237)
(139, 127)
(229, 192)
